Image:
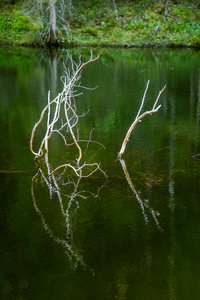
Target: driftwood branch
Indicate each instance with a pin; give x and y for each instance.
(63, 100)
(62, 118)
(139, 117)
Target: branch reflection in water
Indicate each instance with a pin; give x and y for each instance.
(60, 118)
(59, 185)
(143, 202)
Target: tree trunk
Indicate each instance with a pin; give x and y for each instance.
(53, 35)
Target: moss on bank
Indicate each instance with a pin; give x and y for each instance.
(139, 24)
(143, 24)
(15, 27)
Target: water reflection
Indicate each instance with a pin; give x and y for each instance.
(54, 75)
(143, 202)
(62, 118)
(98, 228)
(59, 190)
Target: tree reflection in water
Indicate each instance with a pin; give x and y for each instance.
(62, 119)
(59, 186)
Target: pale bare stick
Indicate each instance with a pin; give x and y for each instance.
(140, 117)
(71, 130)
(142, 102)
(39, 153)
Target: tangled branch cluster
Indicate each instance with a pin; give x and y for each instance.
(62, 118)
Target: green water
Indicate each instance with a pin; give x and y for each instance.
(134, 236)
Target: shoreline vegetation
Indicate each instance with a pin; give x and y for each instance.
(106, 23)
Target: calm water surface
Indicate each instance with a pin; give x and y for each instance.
(132, 235)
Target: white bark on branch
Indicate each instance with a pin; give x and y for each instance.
(62, 118)
(140, 117)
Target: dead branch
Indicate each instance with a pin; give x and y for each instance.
(65, 99)
(62, 118)
(139, 117)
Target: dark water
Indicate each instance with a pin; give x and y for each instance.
(127, 236)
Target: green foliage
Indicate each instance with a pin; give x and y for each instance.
(117, 33)
(185, 13)
(16, 27)
(16, 22)
(140, 23)
(90, 30)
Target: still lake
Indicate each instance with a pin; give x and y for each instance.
(134, 234)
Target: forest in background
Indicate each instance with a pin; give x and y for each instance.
(114, 23)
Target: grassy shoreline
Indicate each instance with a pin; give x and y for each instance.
(136, 25)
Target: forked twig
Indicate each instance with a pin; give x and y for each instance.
(140, 117)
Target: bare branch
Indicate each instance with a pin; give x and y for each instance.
(62, 118)
(140, 117)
